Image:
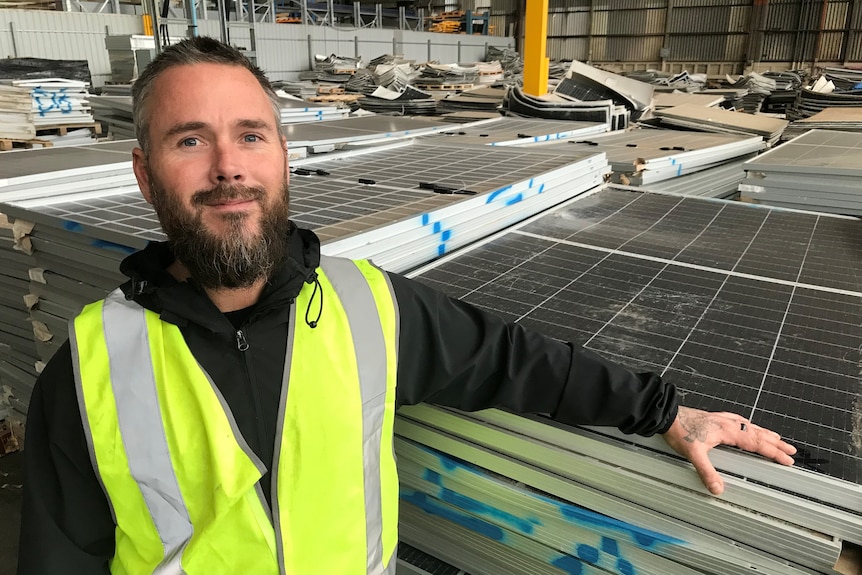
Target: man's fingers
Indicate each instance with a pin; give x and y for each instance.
(766, 443)
(708, 475)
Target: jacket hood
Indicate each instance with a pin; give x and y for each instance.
(180, 303)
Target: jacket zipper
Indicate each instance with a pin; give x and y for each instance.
(241, 342)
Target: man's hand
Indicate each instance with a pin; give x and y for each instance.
(695, 432)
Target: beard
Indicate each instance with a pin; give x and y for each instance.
(235, 257)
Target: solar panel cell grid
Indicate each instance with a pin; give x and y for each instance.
(761, 344)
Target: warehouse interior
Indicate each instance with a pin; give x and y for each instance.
(672, 184)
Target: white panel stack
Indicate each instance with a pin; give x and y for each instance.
(818, 170)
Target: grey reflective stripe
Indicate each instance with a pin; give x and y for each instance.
(82, 408)
(370, 345)
(279, 435)
(134, 384)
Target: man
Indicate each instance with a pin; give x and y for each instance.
(230, 409)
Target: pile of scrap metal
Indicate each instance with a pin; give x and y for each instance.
(836, 88)
(586, 94)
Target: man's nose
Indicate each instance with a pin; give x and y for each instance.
(227, 166)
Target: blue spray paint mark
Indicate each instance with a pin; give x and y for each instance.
(441, 250)
(72, 226)
(102, 244)
(425, 219)
(47, 101)
(432, 507)
(446, 235)
(588, 553)
(643, 537)
(679, 170)
(432, 476)
(479, 508)
(530, 185)
(610, 546)
(542, 188)
(514, 200)
(436, 228)
(625, 567)
(493, 195)
(568, 564)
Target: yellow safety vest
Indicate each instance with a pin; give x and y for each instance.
(182, 482)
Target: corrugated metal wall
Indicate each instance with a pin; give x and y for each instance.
(697, 33)
(283, 49)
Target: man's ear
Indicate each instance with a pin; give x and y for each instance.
(139, 165)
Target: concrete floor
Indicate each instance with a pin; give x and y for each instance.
(11, 479)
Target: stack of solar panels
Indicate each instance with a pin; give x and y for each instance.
(409, 102)
(521, 131)
(509, 59)
(18, 357)
(559, 107)
(362, 82)
(671, 99)
(787, 85)
(757, 88)
(448, 75)
(743, 308)
(472, 104)
(57, 101)
(818, 170)
(363, 130)
(337, 69)
(722, 121)
(843, 78)
(294, 111)
(89, 214)
(841, 119)
(113, 107)
(301, 89)
(810, 102)
(721, 181)
(642, 157)
(667, 82)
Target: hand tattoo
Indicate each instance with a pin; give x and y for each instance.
(697, 425)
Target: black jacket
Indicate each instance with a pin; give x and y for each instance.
(449, 354)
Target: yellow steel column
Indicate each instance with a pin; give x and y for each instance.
(535, 47)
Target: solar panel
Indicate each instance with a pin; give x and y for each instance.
(745, 309)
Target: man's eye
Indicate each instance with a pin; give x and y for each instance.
(190, 142)
(250, 138)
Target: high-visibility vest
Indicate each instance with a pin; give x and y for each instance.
(182, 482)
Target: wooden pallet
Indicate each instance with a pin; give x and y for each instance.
(7, 144)
(445, 87)
(335, 98)
(350, 71)
(63, 129)
(329, 90)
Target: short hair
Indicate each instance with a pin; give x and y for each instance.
(197, 50)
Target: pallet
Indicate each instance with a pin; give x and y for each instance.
(350, 71)
(7, 144)
(335, 98)
(445, 87)
(329, 90)
(63, 129)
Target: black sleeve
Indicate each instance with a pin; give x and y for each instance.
(456, 355)
(66, 523)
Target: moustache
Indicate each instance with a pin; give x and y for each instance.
(227, 193)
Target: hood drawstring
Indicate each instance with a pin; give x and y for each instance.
(313, 323)
(138, 288)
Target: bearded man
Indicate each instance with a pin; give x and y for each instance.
(230, 408)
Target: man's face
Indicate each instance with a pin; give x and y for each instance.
(216, 173)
